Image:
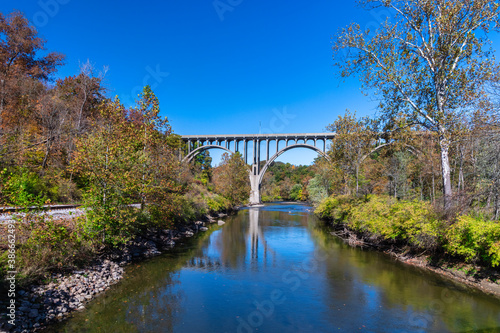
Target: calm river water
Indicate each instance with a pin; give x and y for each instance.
(276, 269)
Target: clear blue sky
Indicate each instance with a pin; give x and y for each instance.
(218, 67)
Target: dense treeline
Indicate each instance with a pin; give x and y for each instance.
(284, 181)
(387, 187)
(405, 164)
(66, 141)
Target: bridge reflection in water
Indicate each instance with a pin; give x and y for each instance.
(234, 251)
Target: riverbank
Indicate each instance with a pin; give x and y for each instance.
(482, 278)
(39, 306)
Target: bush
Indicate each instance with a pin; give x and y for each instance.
(218, 203)
(336, 208)
(385, 218)
(44, 246)
(22, 189)
(474, 239)
(296, 192)
(411, 221)
(271, 198)
(111, 221)
(317, 191)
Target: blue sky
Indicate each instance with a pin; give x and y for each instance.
(218, 67)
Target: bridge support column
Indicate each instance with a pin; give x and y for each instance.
(254, 183)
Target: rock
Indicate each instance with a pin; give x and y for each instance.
(33, 313)
(203, 228)
(221, 222)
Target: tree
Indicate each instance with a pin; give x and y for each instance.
(19, 45)
(110, 158)
(231, 179)
(428, 62)
(353, 140)
(82, 95)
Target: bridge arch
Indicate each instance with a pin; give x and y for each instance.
(309, 141)
(198, 150)
(275, 156)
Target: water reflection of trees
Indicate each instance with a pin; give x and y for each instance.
(372, 286)
(426, 299)
(147, 300)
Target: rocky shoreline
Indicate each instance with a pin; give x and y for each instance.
(481, 280)
(42, 305)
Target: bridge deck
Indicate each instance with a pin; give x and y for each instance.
(257, 136)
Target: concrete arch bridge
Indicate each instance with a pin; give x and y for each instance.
(196, 144)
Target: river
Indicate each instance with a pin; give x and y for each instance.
(276, 268)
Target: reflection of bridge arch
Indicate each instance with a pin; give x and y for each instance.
(198, 150)
(195, 144)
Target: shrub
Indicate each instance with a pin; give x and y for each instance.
(44, 246)
(296, 192)
(385, 218)
(336, 208)
(474, 239)
(22, 189)
(317, 191)
(111, 221)
(218, 203)
(388, 218)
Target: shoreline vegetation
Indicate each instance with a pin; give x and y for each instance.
(465, 249)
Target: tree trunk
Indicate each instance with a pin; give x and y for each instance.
(357, 179)
(444, 144)
(497, 207)
(47, 152)
(2, 100)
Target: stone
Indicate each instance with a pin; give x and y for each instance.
(221, 222)
(33, 313)
(203, 228)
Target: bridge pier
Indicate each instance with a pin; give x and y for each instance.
(255, 187)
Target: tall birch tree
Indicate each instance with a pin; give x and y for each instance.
(428, 62)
